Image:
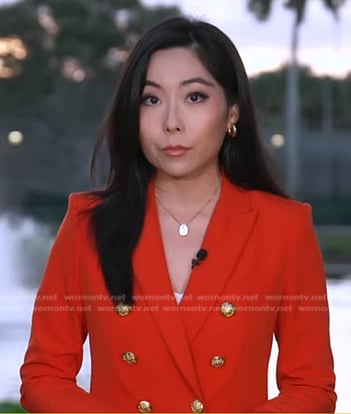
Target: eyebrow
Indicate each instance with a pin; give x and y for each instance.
(185, 82)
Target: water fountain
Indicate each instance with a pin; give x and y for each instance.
(24, 245)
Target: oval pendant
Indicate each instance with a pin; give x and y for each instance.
(183, 230)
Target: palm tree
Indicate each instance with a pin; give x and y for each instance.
(262, 9)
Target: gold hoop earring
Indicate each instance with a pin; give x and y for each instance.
(232, 131)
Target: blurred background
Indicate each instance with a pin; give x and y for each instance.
(59, 62)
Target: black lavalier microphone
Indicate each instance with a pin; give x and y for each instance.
(200, 256)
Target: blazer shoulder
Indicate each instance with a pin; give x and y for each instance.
(82, 202)
(77, 219)
(280, 208)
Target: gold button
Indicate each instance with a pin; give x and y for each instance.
(123, 309)
(217, 361)
(129, 357)
(144, 407)
(197, 406)
(228, 309)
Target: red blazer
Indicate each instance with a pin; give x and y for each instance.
(263, 262)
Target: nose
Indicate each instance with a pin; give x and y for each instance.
(174, 128)
(172, 121)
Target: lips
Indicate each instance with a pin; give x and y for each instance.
(175, 150)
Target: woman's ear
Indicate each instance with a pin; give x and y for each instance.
(233, 114)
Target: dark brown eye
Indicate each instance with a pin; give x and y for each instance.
(197, 97)
(150, 100)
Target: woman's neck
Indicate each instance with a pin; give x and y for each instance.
(187, 192)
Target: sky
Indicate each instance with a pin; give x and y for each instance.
(325, 43)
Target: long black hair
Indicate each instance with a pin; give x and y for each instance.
(118, 219)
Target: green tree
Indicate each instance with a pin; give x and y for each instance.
(268, 91)
(70, 39)
(262, 9)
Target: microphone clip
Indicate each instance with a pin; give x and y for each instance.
(200, 256)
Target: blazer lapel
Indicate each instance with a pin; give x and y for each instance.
(228, 233)
(152, 280)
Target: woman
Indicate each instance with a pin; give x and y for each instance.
(191, 258)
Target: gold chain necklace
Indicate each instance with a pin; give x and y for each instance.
(183, 228)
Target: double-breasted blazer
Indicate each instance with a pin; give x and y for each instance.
(263, 277)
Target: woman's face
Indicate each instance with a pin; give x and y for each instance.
(183, 115)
